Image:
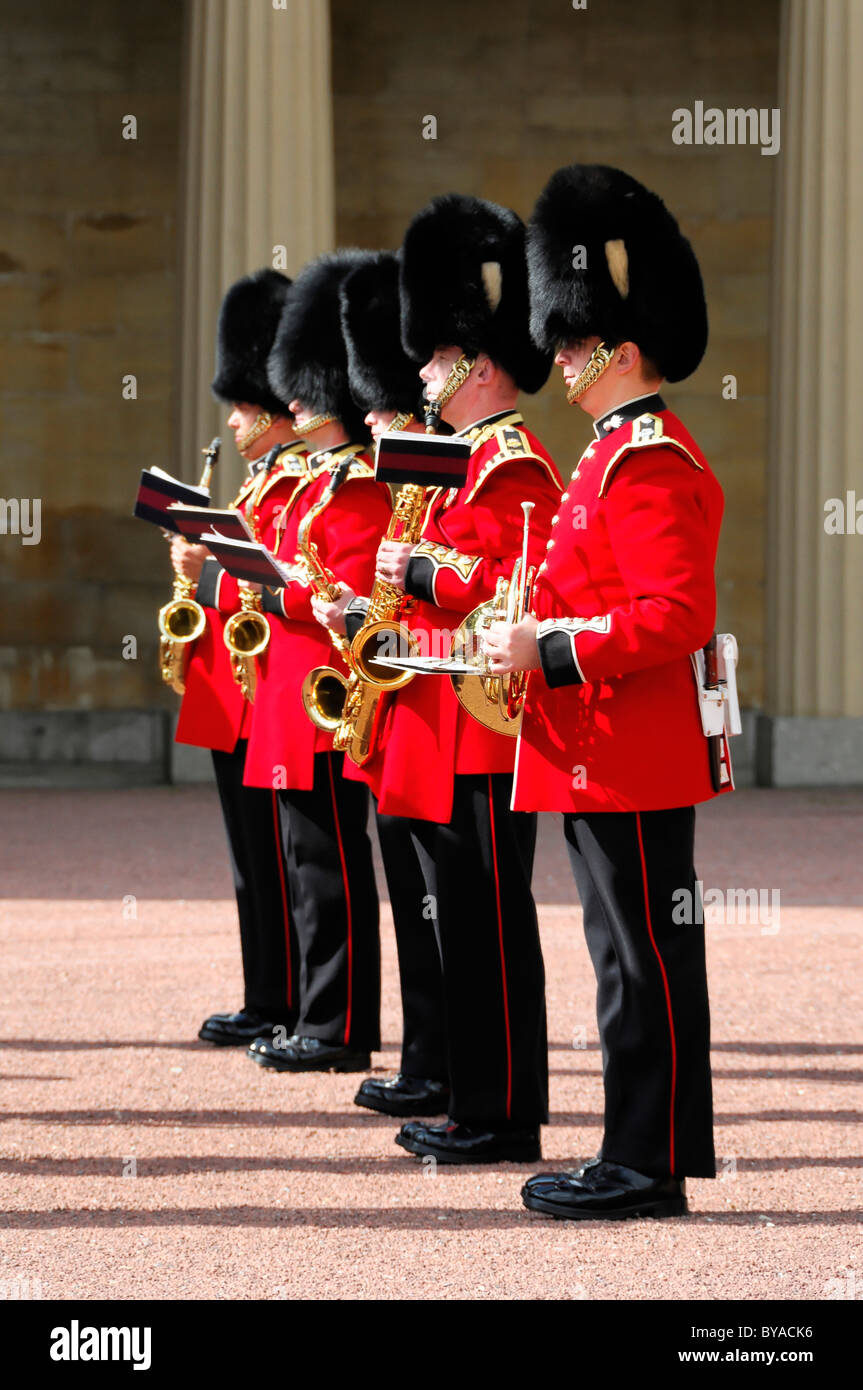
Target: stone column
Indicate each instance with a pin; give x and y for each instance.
(813, 732)
(257, 174)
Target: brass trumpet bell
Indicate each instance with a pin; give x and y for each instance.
(494, 701)
(382, 639)
(324, 693)
(482, 695)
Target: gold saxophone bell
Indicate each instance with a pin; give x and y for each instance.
(246, 635)
(325, 689)
(324, 693)
(377, 639)
(181, 622)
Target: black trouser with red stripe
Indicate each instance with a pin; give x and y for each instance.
(424, 1031)
(477, 871)
(651, 997)
(267, 938)
(334, 903)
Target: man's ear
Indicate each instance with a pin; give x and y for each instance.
(483, 368)
(628, 357)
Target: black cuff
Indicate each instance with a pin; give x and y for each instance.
(207, 592)
(271, 601)
(355, 616)
(419, 577)
(558, 661)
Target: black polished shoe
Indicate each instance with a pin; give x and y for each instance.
(455, 1143)
(602, 1191)
(403, 1095)
(234, 1030)
(306, 1054)
(278, 1036)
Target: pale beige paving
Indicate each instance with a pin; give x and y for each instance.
(251, 1184)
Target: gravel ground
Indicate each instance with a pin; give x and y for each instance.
(139, 1163)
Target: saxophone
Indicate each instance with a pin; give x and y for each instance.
(324, 689)
(369, 680)
(247, 633)
(182, 620)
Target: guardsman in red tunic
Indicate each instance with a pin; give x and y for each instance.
(214, 713)
(331, 879)
(384, 383)
(464, 295)
(611, 734)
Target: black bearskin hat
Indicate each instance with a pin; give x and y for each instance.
(248, 320)
(309, 361)
(464, 284)
(380, 375)
(640, 280)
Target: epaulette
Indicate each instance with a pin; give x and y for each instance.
(512, 443)
(647, 433)
(328, 459)
(290, 460)
(358, 469)
(288, 467)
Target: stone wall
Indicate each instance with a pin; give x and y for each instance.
(518, 90)
(87, 296)
(88, 290)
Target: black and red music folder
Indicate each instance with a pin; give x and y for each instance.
(432, 460)
(249, 561)
(193, 522)
(157, 491)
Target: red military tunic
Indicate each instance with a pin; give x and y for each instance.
(470, 539)
(282, 739)
(611, 722)
(213, 713)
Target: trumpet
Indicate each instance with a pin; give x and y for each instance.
(495, 701)
(182, 620)
(325, 689)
